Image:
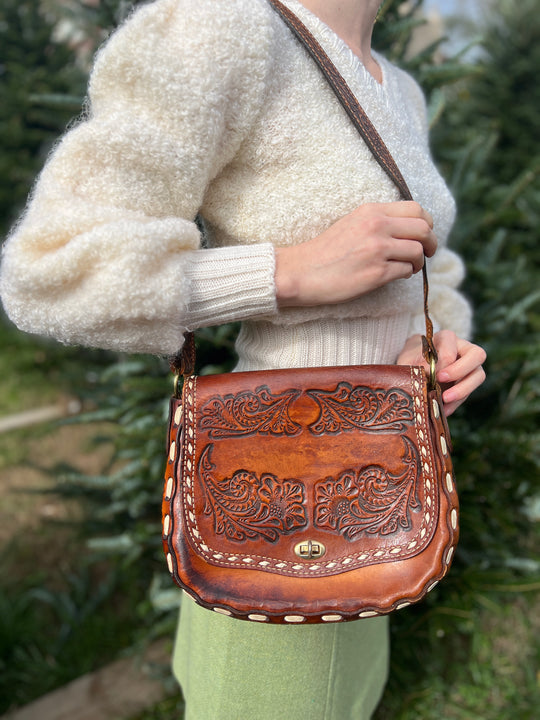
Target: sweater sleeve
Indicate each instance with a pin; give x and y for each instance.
(108, 253)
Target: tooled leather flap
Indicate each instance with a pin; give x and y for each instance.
(369, 475)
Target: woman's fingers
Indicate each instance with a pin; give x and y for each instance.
(457, 357)
(371, 246)
(407, 208)
(454, 396)
(396, 230)
(463, 366)
(411, 252)
(459, 366)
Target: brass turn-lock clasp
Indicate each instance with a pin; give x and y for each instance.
(309, 549)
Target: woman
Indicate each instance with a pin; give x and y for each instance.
(211, 107)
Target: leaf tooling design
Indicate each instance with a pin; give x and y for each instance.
(370, 500)
(363, 408)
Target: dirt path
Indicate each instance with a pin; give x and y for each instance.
(32, 454)
(119, 690)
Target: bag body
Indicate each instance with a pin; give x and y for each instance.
(318, 495)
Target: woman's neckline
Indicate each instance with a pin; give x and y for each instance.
(340, 46)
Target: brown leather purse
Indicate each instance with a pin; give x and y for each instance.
(311, 495)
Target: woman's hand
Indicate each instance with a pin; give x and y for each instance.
(459, 367)
(368, 248)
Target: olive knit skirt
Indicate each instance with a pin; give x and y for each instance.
(235, 670)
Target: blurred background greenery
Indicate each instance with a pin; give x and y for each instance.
(99, 587)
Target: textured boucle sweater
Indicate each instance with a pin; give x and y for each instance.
(211, 107)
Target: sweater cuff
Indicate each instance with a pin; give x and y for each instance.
(229, 284)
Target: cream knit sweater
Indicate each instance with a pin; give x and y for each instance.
(211, 106)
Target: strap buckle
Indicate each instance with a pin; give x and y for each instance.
(430, 355)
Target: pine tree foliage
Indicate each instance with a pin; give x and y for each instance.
(88, 22)
(507, 99)
(42, 83)
(393, 34)
(31, 64)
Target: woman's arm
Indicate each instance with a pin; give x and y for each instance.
(108, 253)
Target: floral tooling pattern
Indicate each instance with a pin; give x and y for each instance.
(246, 506)
(370, 500)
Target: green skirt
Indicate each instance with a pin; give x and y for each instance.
(234, 670)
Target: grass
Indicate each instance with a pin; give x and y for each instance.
(63, 611)
(172, 708)
(54, 629)
(30, 371)
(35, 371)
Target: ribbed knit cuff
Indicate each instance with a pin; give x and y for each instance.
(229, 284)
